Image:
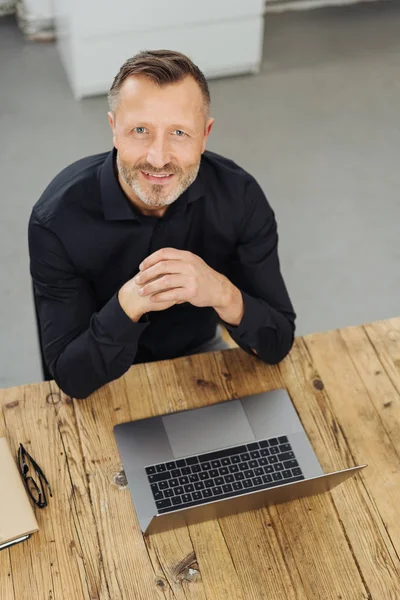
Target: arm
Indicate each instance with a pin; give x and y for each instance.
(83, 349)
(268, 322)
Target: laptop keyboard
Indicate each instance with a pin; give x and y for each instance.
(223, 474)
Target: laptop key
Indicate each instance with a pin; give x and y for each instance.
(257, 481)
(237, 485)
(235, 459)
(163, 503)
(196, 468)
(199, 485)
(176, 500)
(233, 468)
(224, 470)
(158, 496)
(213, 473)
(297, 471)
(274, 450)
(259, 471)
(247, 483)
(225, 461)
(181, 463)
(229, 478)
(291, 464)
(273, 441)
(207, 493)
(193, 477)
(288, 473)
(186, 498)
(283, 439)
(264, 452)
(159, 477)
(285, 448)
(183, 480)
(279, 467)
(277, 476)
(197, 496)
(186, 470)
(150, 470)
(255, 454)
(209, 483)
(239, 476)
(286, 456)
(171, 465)
(249, 474)
(219, 480)
(245, 456)
(253, 464)
(204, 475)
(189, 488)
(244, 466)
(173, 483)
(227, 487)
(267, 478)
(263, 461)
(178, 490)
(206, 466)
(273, 460)
(192, 460)
(269, 469)
(168, 493)
(217, 491)
(176, 473)
(253, 446)
(163, 485)
(154, 487)
(161, 468)
(222, 453)
(215, 464)
(264, 444)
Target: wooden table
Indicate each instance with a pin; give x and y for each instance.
(345, 385)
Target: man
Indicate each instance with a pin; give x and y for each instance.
(137, 253)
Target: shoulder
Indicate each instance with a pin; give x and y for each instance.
(75, 188)
(238, 187)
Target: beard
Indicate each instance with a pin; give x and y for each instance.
(153, 194)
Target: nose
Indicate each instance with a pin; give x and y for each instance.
(158, 154)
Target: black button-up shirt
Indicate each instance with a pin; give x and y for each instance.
(86, 239)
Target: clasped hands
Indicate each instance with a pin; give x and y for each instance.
(170, 276)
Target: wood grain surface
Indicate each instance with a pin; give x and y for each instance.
(345, 544)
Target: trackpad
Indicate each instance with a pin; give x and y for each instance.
(208, 428)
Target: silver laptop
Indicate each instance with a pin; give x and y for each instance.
(201, 464)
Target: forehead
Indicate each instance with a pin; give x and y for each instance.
(140, 97)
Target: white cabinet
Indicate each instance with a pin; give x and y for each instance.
(95, 37)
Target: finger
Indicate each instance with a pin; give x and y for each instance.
(177, 295)
(163, 254)
(166, 282)
(163, 267)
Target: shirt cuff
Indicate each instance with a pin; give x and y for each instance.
(255, 316)
(118, 326)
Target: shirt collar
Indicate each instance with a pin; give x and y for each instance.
(117, 206)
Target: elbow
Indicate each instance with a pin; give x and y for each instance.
(273, 352)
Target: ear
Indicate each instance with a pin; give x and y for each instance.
(207, 131)
(111, 120)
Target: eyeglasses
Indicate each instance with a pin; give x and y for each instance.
(36, 493)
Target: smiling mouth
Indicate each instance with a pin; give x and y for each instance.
(158, 177)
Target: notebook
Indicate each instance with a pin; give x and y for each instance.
(17, 518)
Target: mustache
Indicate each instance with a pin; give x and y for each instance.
(149, 169)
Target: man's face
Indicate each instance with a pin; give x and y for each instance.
(159, 131)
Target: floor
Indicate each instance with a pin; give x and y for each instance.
(319, 128)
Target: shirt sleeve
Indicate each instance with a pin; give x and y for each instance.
(268, 322)
(83, 348)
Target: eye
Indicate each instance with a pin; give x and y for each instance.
(180, 133)
(138, 129)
